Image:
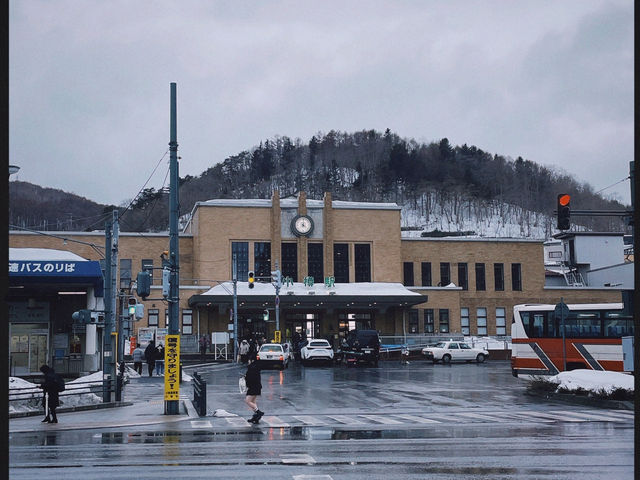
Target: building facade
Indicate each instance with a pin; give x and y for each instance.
(345, 265)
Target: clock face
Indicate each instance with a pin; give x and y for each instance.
(302, 225)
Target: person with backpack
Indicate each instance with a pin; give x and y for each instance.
(52, 385)
(151, 353)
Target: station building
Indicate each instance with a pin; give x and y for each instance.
(344, 264)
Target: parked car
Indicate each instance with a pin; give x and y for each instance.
(273, 354)
(454, 351)
(316, 351)
(360, 346)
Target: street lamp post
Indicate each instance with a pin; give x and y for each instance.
(13, 169)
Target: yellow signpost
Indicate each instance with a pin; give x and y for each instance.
(172, 367)
(277, 336)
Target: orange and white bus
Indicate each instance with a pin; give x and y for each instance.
(592, 338)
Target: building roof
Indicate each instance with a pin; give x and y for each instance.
(43, 254)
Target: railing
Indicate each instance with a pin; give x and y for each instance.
(32, 396)
(394, 343)
(199, 394)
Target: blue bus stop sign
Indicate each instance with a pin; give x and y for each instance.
(561, 310)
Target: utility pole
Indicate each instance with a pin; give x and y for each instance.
(171, 406)
(108, 343)
(235, 308)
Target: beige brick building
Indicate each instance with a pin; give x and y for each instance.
(365, 274)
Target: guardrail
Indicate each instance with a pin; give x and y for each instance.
(33, 395)
(199, 394)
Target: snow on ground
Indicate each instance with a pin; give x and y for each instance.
(593, 380)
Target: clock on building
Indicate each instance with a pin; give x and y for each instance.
(302, 225)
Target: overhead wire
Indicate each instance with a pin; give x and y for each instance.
(613, 185)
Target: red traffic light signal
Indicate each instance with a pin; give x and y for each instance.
(564, 211)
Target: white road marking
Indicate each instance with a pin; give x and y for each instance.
(237, 421)
(274, 422)
(312, 477)
(308, 420)
(479, 416)
(547, 416)
(415, 419)
(593, 416)
(347, 420)
(298, 458)
(200, 424)
(382, 419)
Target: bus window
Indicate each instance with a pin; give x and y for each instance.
(537, 327)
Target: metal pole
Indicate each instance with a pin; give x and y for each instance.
(111, 268)
(278, 302)
(235, 308)
(171, 406)
(107, 311)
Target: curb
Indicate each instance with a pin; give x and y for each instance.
(584, 400)
(77, 408)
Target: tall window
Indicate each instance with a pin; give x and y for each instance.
(463, 280)
(426, 274)
(413, 321)
(290, 260)
(154, 314)
(147, 265)
(516, 279)
(498, 274)
(315, 262)
(125, 272)
(464, 320)
(408, 273)
(481, 316)
(362, 255)
(480, 285)
(444, 320)
(445, 274)
(187, 322)
(262, 259)
(428, 320)
(241, 252)
(341, 262)
(501, 321)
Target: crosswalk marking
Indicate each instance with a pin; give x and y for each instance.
(553, 418)
(237, 421)
(308, 420)
(346, 419)
(200, 424)
(273, 421)
(480, 416)
(415, 418)
(382, 419)
(592, 416)
(298, 458)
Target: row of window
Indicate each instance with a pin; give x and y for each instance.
(463, 275)
(153, 315)
(443, 321)
(315, 261)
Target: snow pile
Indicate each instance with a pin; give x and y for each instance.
(593, 381)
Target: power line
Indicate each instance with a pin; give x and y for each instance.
(613, 185)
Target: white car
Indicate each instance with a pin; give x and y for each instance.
(316, 351)
(273, 354)
(454, 351)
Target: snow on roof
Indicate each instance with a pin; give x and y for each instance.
(43, 254)
(293, 203)
(340, 289)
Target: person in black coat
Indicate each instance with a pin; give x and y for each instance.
(254, 388)
(151, 353)
(50, 388)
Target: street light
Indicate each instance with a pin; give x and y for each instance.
(13, 169)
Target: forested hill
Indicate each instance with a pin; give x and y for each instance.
(431, 179)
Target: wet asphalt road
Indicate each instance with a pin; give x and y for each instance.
(418, 421)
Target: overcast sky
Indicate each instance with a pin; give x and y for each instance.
(551, 81)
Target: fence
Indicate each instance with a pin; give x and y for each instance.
(31, 397)
(199, 394)
(392, 343)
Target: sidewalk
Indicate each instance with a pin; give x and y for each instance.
(143, 405)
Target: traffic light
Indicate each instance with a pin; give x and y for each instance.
(139, 311)
(143, 284)
(276, 278)
(252, 279)
(166, 280)
(564, 211)
(132, 306)
(81, 316)
(265, 315)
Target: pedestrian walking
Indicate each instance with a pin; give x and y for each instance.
(51, 389)
(254, 389)
(244, 350)
(253, 347)
(151, 353)
(138, 356)
(204, 343)
(160, 360)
